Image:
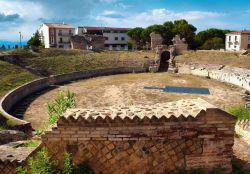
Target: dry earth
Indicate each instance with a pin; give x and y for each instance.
(129, 90)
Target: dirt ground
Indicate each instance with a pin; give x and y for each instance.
(129, 90)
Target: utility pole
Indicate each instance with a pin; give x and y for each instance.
(20, 39)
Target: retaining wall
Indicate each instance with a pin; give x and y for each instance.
(16, 95)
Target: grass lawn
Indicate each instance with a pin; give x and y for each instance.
(58, 61)
(12, 76)
(215, 57)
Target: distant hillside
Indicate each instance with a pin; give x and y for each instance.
(11, 43)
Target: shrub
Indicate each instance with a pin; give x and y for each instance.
(68, 164)
(40, 164)
(60, 105)
(240, 112)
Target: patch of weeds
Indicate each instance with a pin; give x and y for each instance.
(42, 163)
(62, 102)
(241, 112)
(31, 143)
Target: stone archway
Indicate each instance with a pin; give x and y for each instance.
(164, 61)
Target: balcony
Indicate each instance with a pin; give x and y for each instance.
(65, 34)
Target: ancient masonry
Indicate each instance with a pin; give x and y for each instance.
(88, 41)
(185, 134)
(156, 40)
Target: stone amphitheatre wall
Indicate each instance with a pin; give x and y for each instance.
(237, 76)
(186, 134)
(16, 95)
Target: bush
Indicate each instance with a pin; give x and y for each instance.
(241, 112)
(40, 164)
(43, 164)
(60, 105)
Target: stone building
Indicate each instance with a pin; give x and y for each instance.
(156, 40)
(180, 44)
(186, 134)
(87, 42)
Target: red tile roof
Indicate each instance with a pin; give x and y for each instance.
(63, 26)
(240, 32)
(106, 28)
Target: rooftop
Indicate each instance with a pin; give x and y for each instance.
(240, 32)
(105, 28)
(63, 26)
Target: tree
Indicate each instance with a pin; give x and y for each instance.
(35, 40)
(214, 43)
(206, 35)
(136, 36)
(185, 30)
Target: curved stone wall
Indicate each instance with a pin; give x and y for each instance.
(16, 95)
(237, 76)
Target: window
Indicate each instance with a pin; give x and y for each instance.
(229, 38)
(60, 32)
(106, 38)
(70, 32)
(116, 38)
(123, 38)
(235, 38)
(248, 46)
(248, 37)
(61, 40)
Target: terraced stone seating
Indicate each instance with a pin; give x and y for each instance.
(186, 134)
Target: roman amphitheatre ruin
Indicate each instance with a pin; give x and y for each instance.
(120, 125)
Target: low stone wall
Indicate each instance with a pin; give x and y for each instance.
(242, 128)
(16, 95)
(186, 134)
(237, 76)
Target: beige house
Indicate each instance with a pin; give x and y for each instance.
(238, 40)
(56, 35)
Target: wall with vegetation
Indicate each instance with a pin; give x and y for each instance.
(16, 95)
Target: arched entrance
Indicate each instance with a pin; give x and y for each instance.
(164, 61)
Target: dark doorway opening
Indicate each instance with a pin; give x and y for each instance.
(164, 63)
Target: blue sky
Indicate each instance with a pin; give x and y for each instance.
(27, 15)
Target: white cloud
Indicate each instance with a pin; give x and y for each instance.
(156, 16)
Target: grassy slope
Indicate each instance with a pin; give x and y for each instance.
(12, 76)
(215, 57)
(57, 61)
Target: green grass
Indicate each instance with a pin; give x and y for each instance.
(241, 112)
(12, 76)
(31, 143)
(58, 61)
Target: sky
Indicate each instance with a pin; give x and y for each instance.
(26, 16)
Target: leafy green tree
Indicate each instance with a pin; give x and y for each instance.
(35, 40)
(206, 35)
(136, 36)
(185, 30)
(214, 43)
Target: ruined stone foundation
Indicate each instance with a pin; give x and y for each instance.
(186, 134)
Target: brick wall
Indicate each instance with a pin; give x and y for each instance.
(145, 143)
